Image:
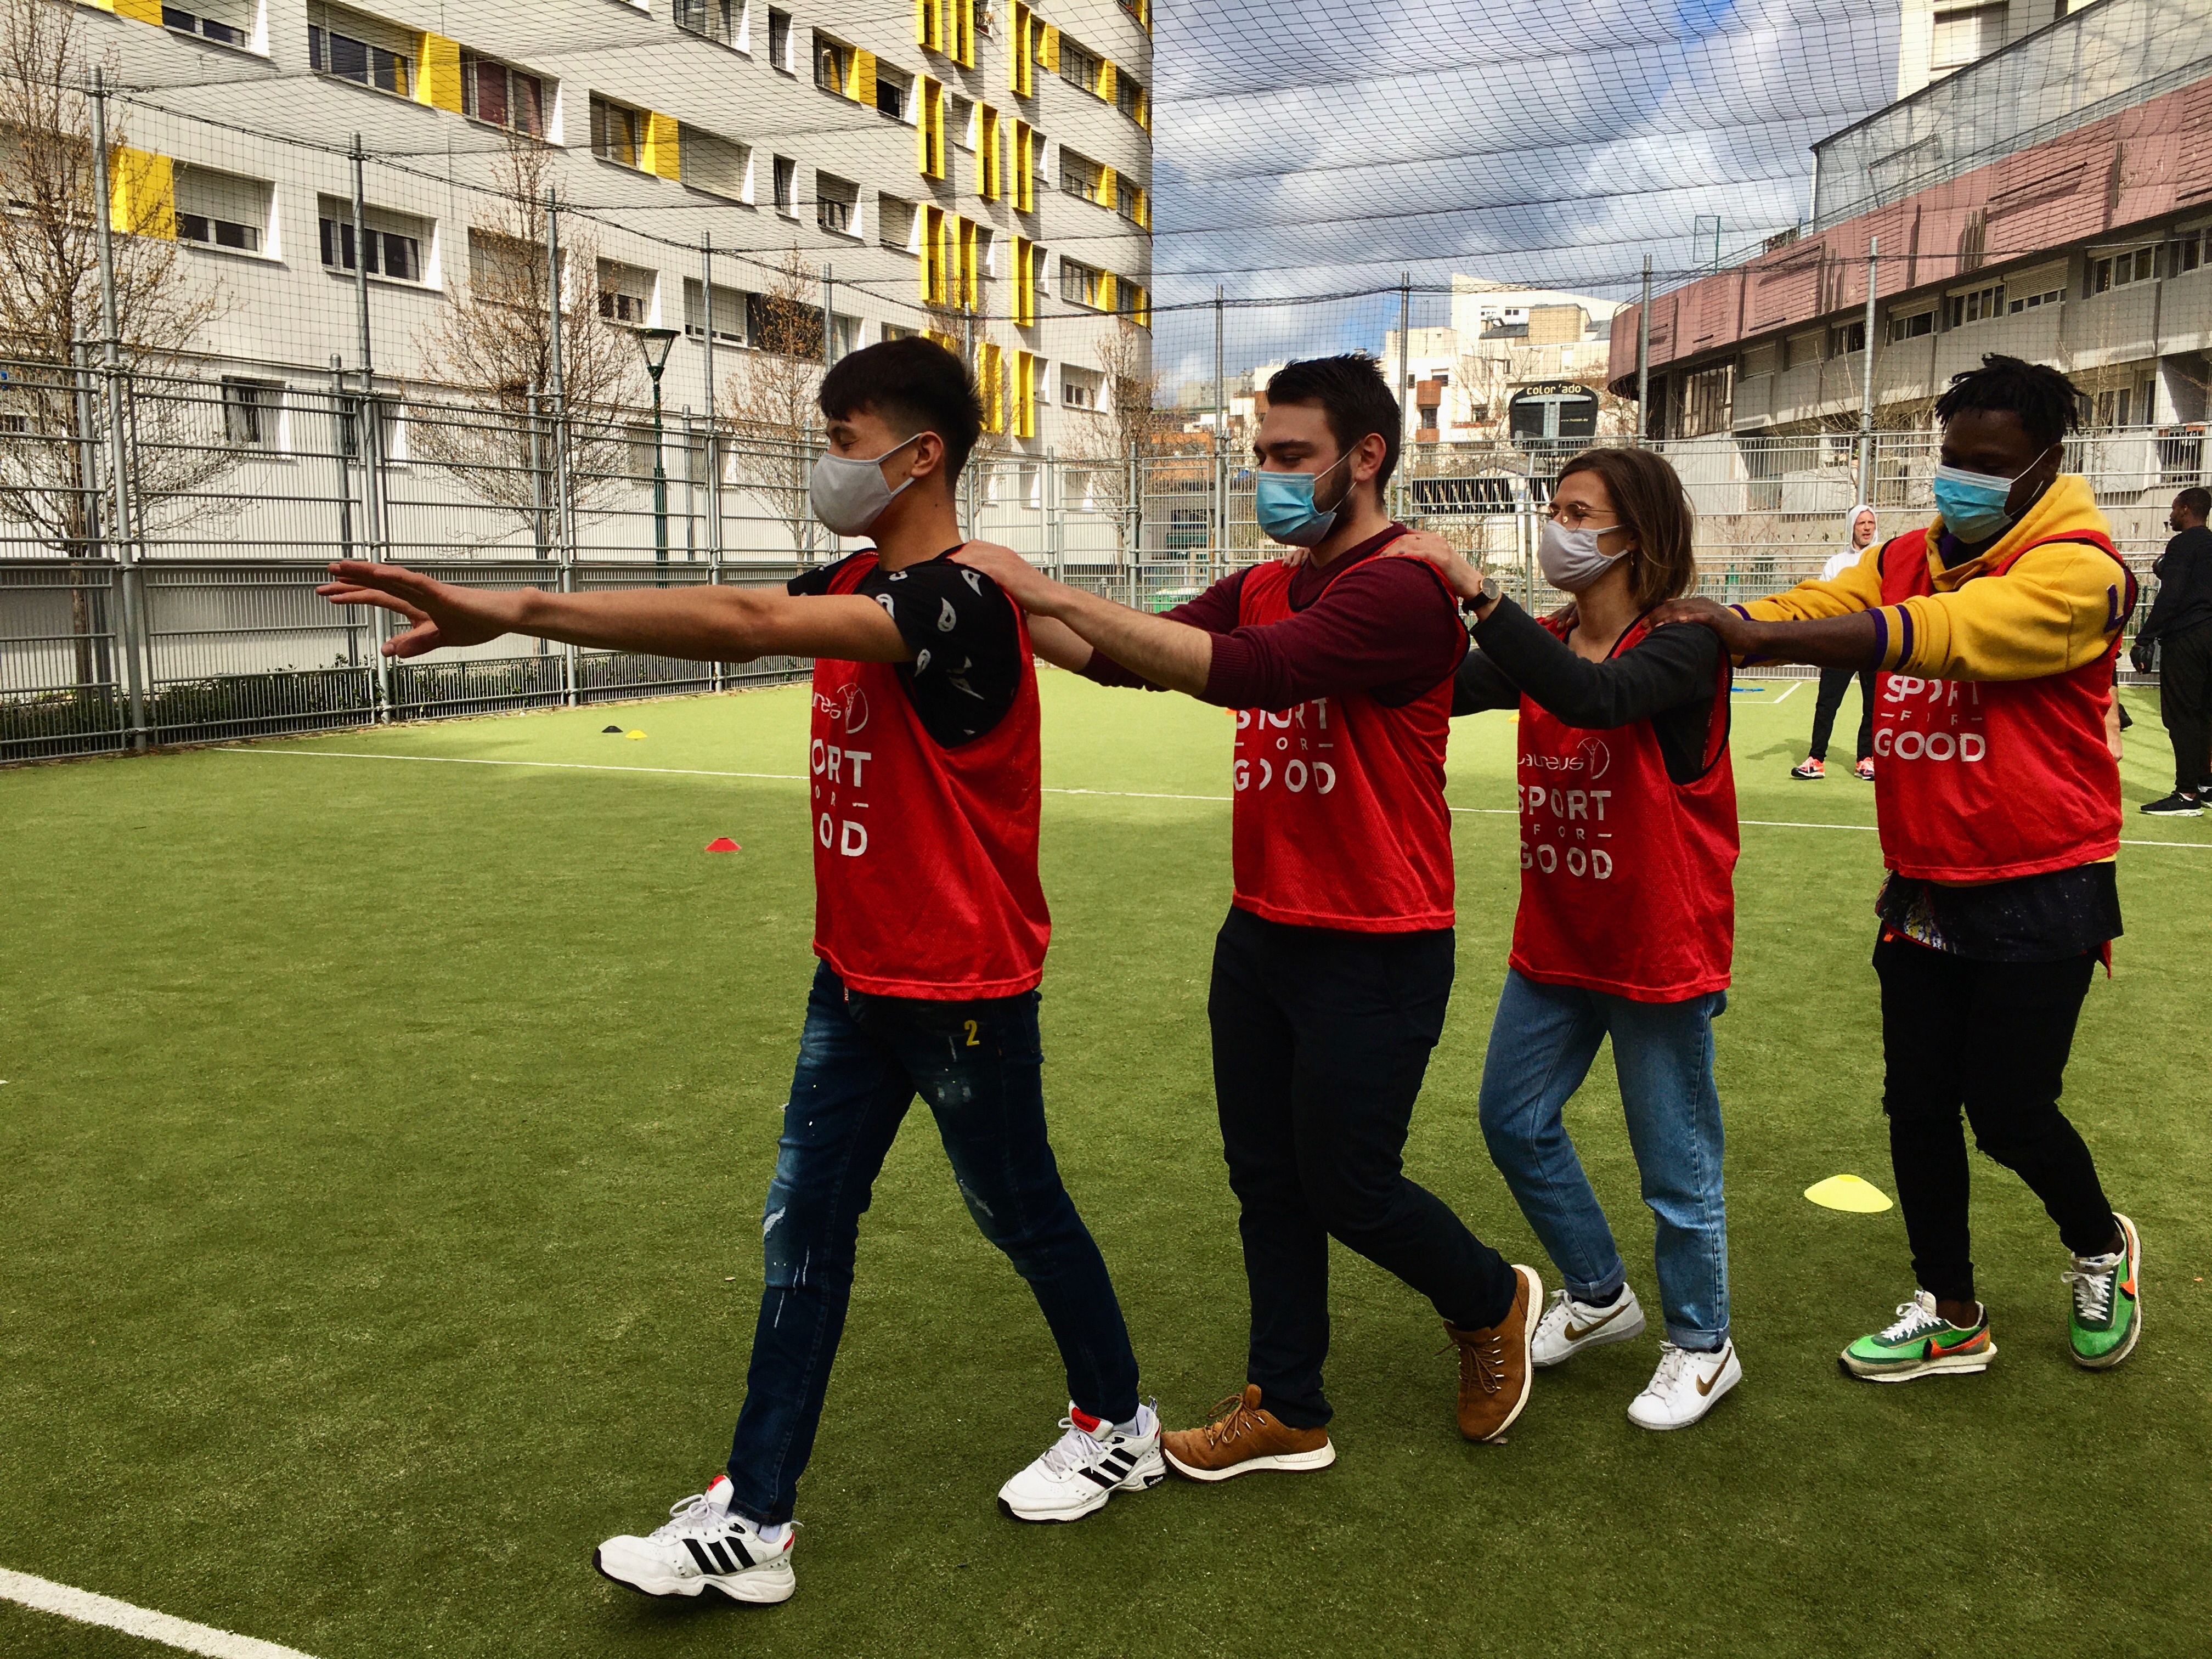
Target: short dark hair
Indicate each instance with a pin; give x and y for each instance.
(912, 383)
(1353, 396)
(2045, 400)
(1648, 497)
(2198, 502)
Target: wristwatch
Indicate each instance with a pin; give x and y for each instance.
(1491, 592)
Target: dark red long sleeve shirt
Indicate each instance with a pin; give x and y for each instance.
(1363, 623)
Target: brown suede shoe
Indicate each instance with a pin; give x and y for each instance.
(1494, 1369)
(1243, 1437)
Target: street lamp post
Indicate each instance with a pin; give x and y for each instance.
(655, 343)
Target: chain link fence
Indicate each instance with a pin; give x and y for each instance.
(161, 537)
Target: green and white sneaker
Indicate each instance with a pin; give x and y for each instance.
(1921, 1343)
(2107, 1316)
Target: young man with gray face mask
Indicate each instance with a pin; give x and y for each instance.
(1334, 968)
(931, 927)
(1994, 630)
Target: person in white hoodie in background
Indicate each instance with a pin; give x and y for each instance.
(1834, 682)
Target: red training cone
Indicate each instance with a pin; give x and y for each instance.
(723, 844)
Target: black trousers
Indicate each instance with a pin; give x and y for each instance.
(2184, 703)
(1991, 1037)
(1834, 682)
(1320, 1039)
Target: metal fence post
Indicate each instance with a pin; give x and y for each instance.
(1644, 359)
(133, 642)
(712, 459)
(563, 495)
(1866, 396)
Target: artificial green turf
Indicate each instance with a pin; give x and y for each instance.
(384, 1144)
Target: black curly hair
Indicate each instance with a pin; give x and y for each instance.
(2043, 400)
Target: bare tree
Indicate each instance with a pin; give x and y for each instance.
(54, 479)
(1125, 429)
(772, 396)
(495, 341)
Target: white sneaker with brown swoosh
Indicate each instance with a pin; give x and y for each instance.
(1568, 1326)
(1685, 1388)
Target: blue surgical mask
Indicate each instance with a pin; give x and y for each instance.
(1972, 504)
(1284, 504)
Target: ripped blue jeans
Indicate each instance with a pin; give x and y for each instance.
(862, 1059)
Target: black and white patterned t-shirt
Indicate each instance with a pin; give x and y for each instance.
(967, 644)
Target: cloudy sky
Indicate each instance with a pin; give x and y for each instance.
(1316, 151)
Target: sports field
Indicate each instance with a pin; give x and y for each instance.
(384, 1142)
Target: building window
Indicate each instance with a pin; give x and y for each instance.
(836, 205)
(1078, 174)
(226, 22)
(351, 47)
(217, 210)
(392, 247)
(1128, 200)
(500, 95)
(625, 293)
(1967, 34)
(1078, 387)
(1912, 327)
(1978, 306)
(719, 167)
(2030, 301)
(1085, 285)
(895, 223)
(1708, 396)
(1079, 66)
(893, 89)
(1129, 97)
(729, 313)
(617, 133)
(2121, 269)
(1844, 338)
(779, 40)
(250, 410)
(960, 119)
(833, 64)
(787, 186)
(722, 20)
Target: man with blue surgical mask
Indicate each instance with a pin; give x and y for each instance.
(1332, 969)
(1994, 631)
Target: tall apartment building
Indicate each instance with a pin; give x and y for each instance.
(977, 169)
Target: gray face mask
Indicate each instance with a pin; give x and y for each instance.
(1571, 559)
(847, 492)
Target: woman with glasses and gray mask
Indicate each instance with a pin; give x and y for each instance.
(1627, 922)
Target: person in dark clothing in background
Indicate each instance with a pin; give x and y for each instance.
(2179, 628)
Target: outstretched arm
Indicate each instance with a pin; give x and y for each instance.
(1849, 641)
(706, 624)
(1170, 654)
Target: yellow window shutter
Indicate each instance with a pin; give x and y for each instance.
(964, 22)
(1145, 108)
(863, 78)
(1105, 87)
(1025, 170)
(1019, 68)
(1106, 279)
(991, 381)
(944, 41)
(138, 11)
(925, 13)
(1140, 306)
(1048, 49)
(142, 194)
(662, 153)
(1144, 209)
(929, 217)
(1024, 395)
(438, 72)
(1105, 196)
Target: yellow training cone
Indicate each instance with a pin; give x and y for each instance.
(633, 734)
(1848, 1192)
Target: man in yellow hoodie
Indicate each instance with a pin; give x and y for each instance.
(1994, 630)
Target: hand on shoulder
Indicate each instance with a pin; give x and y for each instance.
(1026, 584)
(1461, 574)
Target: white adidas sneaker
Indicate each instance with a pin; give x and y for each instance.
(1085, 1466)
(704, 1546)
(1685, 1387)
(1568, 1326)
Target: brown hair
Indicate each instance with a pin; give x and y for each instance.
(1648, 500)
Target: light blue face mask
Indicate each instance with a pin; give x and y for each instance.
(1284, 504)
(1972, 504)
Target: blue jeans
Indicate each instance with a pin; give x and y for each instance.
(1541, 1045)
(861, 1061)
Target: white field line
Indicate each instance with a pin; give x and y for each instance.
(1114, 794)
(87, 1608)
(1790, 693)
